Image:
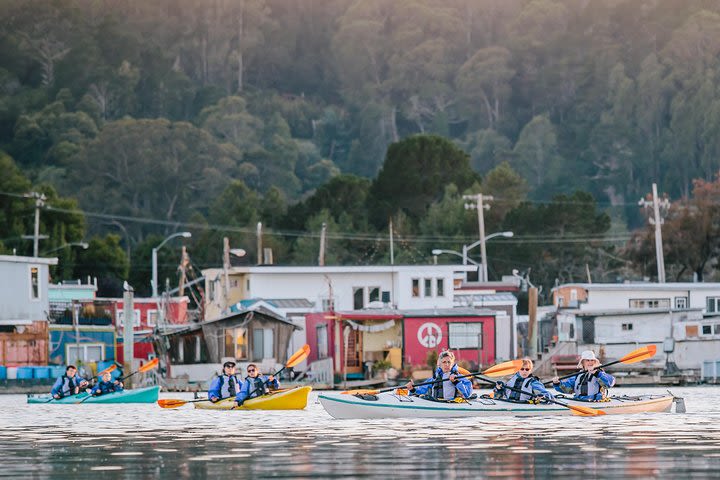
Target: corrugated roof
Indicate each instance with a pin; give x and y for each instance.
(486, 297)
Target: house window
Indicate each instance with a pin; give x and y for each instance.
(262, 344)
(428, 287)
(121, 318)
(681, 303)
(627, 326)
(717, 329)
(440, 287)
(650, 303)
(322, 340)
(328, 304)
(691, 330)
(560, 301)
(415, 287)
(465, 335)
(358, 298)
(34, 283)
(707, 329)
(86, 352)
(236, 343)
(373, 294)
(152, 316)
(713, 304)
(386, 296)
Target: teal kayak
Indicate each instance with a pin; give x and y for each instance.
(137, 395)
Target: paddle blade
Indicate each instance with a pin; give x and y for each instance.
(109, 369)
(463, 371)
(361, 391)
(503, 369)
(585, 411)
(171, 403)
(149, 366)
(298, 356)
(639, 355)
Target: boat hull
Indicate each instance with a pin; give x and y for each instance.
(287, 399)
(389, 405)
(137, 395)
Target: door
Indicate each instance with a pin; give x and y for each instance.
(353, 352)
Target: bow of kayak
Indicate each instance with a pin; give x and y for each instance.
(137, 395)
(286, 399)
(390, 405)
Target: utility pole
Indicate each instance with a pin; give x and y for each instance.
(226, 273)
(39, 203)
(532, 322)
(259, 243)
(128, 337)
(657, 220)
(392, 245)
(481, 207)
(321, 256)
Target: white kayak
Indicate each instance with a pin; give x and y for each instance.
(391, 405)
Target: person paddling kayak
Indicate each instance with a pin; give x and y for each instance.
(68, 384)
(226, 385)
(591, 384)
(523, 380)
(451, 386)
(255, 385)
(106, 385)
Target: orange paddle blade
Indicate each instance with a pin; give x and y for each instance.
(585, 411)
(360, 391)
(171, 403)
(149, 366)
(639, 355)
(503, 369)
(107, 370)
(463, 371)
(298, 356)
(402, 392)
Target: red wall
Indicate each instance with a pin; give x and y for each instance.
(176, 310)
(416, 354)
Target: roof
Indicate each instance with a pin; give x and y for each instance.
(314, 269)
(278, 302)
(482, 298)
(35, 260)
(240, 313)
(624, 311)
(390, 313)
(642, 286)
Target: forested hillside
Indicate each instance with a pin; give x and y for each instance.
(141, 118)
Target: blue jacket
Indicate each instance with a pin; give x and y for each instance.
(463, 385)
(531, 386)
(587, 387)
(62, 387)
(101, 388)
(252, 388)
(217, 384)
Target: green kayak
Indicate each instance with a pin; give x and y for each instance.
(137, 395)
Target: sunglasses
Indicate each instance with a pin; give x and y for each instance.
(250, 370)
(526, 369)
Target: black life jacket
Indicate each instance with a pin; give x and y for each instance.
(233, 386)
(521, 384)
(257, 386)
(68, 385)
(587, 384)
(437, 389)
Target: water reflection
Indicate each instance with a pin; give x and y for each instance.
(130, 440)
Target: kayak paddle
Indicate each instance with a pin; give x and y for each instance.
(642, 353)
(576, 409)
(107, 370)
(499, 370)
(151, 365)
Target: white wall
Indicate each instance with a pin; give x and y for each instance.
(603, 297)
(17, 306)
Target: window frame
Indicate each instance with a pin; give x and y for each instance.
(361, 291)
(427, 288)
(415, 287)
(84, 347)
(475, 346)
(440, 287)
(716, 304)
(35, 297)
(322, 348)
(647, 303)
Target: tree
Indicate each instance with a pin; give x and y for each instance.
(415, 173)
(536, 153)
(106, 260)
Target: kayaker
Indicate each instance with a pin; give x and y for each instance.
(451, 386)
(68, 383)
(255, 385)
(106, 385)
(226, 385)
(590, 385)
(523, 380)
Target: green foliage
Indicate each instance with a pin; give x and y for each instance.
(414, 175)
(106, 260)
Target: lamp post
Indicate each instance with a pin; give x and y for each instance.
(438, 251)
(483, 253)
(154, 259)
(83, 245)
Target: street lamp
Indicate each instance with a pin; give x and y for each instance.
(154, 259)
(481, 242)
(439, 251)
(84, 246)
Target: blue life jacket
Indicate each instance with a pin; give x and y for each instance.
(229, 386)
(65, 385)
(101, 388)
(462, 387)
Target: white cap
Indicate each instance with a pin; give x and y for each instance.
(587, 355)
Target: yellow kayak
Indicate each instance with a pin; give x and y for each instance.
(285, 399)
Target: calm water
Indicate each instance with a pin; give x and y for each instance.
(131, 441)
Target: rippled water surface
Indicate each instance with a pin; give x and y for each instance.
(131, 441)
